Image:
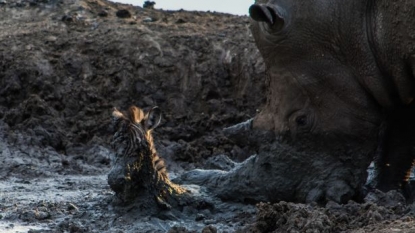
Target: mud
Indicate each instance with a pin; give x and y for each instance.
(65, 64)
(388, 209)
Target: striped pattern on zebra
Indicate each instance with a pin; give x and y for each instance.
(133, 136)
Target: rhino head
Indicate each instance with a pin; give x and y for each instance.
(322, 99)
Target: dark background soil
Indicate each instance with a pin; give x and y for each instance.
(63, 68)
(65, 64)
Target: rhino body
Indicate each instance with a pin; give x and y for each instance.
(341, 95)
(341, 75)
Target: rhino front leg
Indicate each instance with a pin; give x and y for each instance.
(397, 155)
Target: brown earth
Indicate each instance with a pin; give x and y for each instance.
(65, 64)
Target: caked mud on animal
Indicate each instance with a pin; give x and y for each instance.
(341, 86)
(138, 172)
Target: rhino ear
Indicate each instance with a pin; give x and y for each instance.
(153, 118)
(267, 14)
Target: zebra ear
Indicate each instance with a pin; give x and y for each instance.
(136, 114)
(116, 113)
(153, 118)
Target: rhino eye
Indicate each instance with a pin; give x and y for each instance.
(301, 121)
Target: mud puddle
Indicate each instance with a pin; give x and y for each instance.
(10, 227)
(38, 204)
(85, 204)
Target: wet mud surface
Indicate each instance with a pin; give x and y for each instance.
(65, 64)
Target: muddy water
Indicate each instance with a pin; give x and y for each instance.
(85, 204)
(35, 204)
(9, 227)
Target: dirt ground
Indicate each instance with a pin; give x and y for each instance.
(65, 64)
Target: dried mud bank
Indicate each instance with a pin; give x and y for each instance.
(65, 64)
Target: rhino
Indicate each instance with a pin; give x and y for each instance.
(341, 91)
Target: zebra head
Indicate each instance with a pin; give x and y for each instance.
(132, 130)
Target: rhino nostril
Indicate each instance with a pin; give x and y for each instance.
(339, 192)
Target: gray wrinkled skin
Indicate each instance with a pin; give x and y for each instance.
(341, 89)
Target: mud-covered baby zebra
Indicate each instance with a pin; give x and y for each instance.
(133, 134)
(137, 169)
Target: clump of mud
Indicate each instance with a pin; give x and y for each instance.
(386, 208)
